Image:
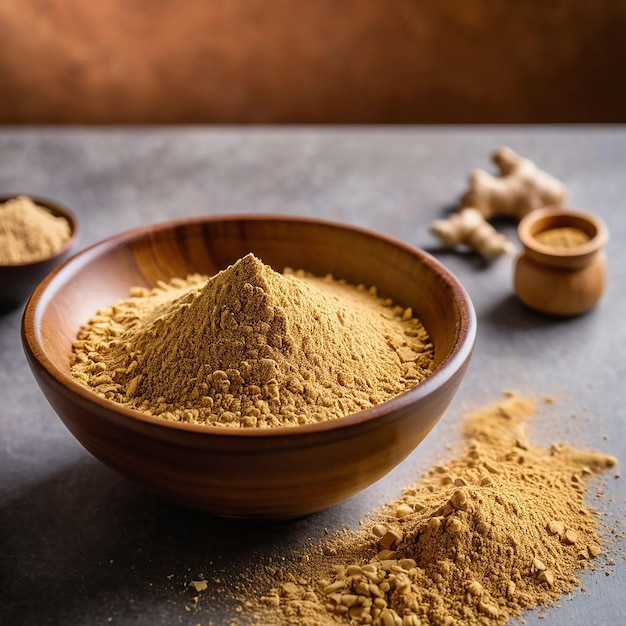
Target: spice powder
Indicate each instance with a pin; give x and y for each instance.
(564, 237)
(28, 232)
(250, 347)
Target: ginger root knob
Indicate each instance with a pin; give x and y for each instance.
(469, 227)
(520, 188)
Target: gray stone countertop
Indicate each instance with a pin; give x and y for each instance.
(79, 545)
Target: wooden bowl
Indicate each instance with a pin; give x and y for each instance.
(17, 281)
(274, 473)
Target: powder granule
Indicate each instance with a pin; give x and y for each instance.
(251, 347)
(28, 232)
(501, 528)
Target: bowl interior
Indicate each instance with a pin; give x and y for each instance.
(102, 274)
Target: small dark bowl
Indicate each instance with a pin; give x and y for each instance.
(17, 281)
(273, 473)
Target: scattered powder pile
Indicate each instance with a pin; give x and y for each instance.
(29, 232)
(254, 348)
(501, 528)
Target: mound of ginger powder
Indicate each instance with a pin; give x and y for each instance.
(251, 347)
(500, 528)
(29, 232)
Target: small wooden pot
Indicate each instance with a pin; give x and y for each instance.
(562, 269)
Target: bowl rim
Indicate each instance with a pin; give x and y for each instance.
(458, 355)
(58, 210)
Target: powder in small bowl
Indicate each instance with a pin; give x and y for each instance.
(563, 237)
(29, 232)
(251, 347)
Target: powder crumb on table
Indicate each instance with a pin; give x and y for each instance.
(29, 232)
(199, 585)
(463, 545)
(251, 347)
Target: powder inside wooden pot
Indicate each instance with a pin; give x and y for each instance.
(564, 237)
(251, 347)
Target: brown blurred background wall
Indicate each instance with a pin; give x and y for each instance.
(312, 61)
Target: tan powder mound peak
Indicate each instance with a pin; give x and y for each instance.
(221, 326)
(253, 347)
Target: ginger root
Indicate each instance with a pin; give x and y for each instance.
(520, 188)
(470, 228)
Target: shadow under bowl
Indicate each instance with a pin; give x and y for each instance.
(275, 473)
(17, 281)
